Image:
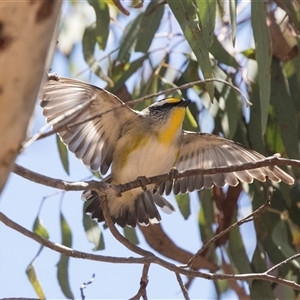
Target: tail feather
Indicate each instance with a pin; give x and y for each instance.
(144, 210)
(165, 205)
(123, 217)
(150, 207)
(131, 218)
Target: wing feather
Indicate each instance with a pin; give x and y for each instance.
(200, 150)
(85, 118)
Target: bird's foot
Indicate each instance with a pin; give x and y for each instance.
(143, 181)
(173, 174)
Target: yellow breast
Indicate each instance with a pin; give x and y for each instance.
(173, 126)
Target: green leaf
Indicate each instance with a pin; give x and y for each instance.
(221, 287)
(230, 119)
(237, 251)
(92, 231)
(285, 111)
(63, 154)
(122, 72)
(294, 211)
(207, 19)
(185, 13)
(89, 41)
(206, 222)
(221, 55)
(129, 39)
(232, 11)
(254, 127)
(259, 259)
(249, 53)
(273, 137)
(149, 25)
(206, 215)
(63, 264)
(281, 237)
(189, 122)
(183, 202)
(263, 57)
(266, 223)
(259, 266)
(102, 22)
(35, 282)
(39, 229)
(261, 289)
(130, 235)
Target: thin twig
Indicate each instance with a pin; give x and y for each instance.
(277, 266)
(182, 286)
(83, 286)
(248, 218)
(142, 292)
(189, 85)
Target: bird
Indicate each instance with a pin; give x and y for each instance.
(106, 134)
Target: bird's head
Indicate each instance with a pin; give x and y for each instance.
(168, 115)
(170, 108)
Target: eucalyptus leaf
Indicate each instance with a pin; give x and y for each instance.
(183, 202)
(92, 231)
(121, 74)
(222, 55)
(207, 19)
(285, 111)
(130, 234)
(40, 229)
(263, 53)
(31, 275)
(149, 25)
(102, 22)
(281, 238)
(63, 264)
(232, 11)
(63, 154)
(185, 13)
(237, 251)
(129, 39)
(89, 41)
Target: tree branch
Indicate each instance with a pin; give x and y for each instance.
(143, 284)
(189, 85)
(248, 218)
(69, 251)
(159, 241)
(277, 266)
(119, 189)
(144, 260)
(182, 286)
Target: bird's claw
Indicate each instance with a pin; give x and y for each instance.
(143, 181)
(173, 174)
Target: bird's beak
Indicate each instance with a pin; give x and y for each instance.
(184, 103)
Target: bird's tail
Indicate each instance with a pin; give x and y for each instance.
(143, 210)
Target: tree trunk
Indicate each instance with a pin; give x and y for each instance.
(26, 46)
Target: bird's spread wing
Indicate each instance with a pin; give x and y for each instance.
(86, 118)
(205, 151)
